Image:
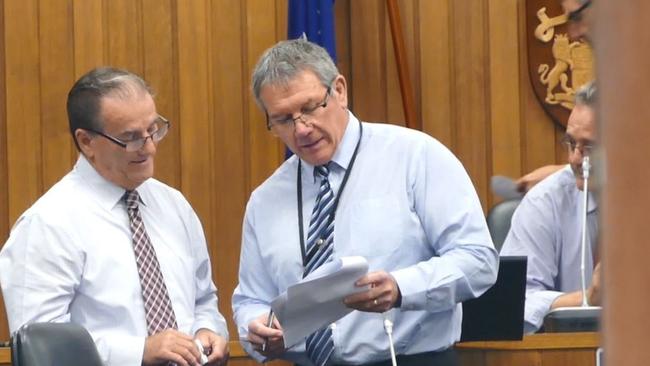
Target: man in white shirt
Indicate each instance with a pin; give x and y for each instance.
(111, 248)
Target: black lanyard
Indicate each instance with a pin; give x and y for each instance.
(336, 200)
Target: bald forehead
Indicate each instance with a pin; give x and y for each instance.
(583, 118)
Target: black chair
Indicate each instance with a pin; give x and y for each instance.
(498, 220)
(53, 344)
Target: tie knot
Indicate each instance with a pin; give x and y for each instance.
(132, 198)
(322, 171)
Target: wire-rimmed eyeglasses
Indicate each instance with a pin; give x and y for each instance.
(157, 132)
(572, 145)
(307, 114)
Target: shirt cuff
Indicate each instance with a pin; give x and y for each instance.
(538, 304)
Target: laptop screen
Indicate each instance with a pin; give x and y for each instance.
(498, 314)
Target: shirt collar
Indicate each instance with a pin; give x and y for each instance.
(108, 194)
(345, 150)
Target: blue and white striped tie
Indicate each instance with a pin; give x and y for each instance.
(319, 250)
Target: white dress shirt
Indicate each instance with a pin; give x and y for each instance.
(70, 258)
(409, 208)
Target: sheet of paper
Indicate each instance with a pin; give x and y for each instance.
(317, 300)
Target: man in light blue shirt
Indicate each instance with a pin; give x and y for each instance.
(547, 226)
(408, 207)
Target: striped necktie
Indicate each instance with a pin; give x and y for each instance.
(157, 305)
(319, 250)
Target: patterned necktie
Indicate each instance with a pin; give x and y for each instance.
(157, 305)
(319, 250)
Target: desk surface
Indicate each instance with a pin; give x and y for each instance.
(540, 341)
(236, 351)
(533, 341)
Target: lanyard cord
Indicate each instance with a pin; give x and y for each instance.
(336, 200)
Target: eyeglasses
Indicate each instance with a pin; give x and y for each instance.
(576, 15)
(308, 113)
(572, 145)
(157, 132)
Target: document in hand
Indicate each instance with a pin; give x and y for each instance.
(317, 300)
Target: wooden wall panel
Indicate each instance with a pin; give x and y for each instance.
(264, 151)
(89, 40)
(436, 70)
(230, 90)
(56, 76)
(505, 110)
(124, 34)
(342, 25)
(23, 88)
(159, 69)
(471, 83)
(392, 98)
(367, 42)
(466, 59)
(4, 179)
(194, 111)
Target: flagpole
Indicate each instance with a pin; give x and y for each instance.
(402, 64)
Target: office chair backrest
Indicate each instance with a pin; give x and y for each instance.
(53, 344)
(498, 220)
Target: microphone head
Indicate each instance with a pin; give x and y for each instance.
(586, 166)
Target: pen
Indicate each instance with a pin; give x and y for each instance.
(269, 323)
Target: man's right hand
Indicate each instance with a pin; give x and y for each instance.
(593, 293)
(259, 333)
(171, 345)
(525, 183)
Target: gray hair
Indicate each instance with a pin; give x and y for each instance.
(284, 61)
(85, 96)
(586, 95)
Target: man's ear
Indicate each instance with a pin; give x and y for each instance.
(340, 88)
(84, 139)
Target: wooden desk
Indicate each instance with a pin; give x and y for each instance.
(547, 349)
(5, 356)
(238, 357)
(558, 349)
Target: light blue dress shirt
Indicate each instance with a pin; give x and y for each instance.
(70, 258)
(409, 208)
(547, 227)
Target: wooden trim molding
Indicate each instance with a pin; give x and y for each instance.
(540, 341)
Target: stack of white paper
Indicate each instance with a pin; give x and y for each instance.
(317, 300)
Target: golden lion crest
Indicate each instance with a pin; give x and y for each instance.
(573, 61)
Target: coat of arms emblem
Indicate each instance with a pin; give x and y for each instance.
(557, 66)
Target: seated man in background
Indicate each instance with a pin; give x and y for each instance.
(547, 226)
(395, 196)
(131, 266)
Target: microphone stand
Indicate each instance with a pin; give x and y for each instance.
(583, 317)
(586, 166)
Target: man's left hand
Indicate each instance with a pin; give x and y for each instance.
(381, 296)
(215, 346)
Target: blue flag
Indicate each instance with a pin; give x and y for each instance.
(314, 18)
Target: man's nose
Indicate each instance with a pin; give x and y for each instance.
(301, 126)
